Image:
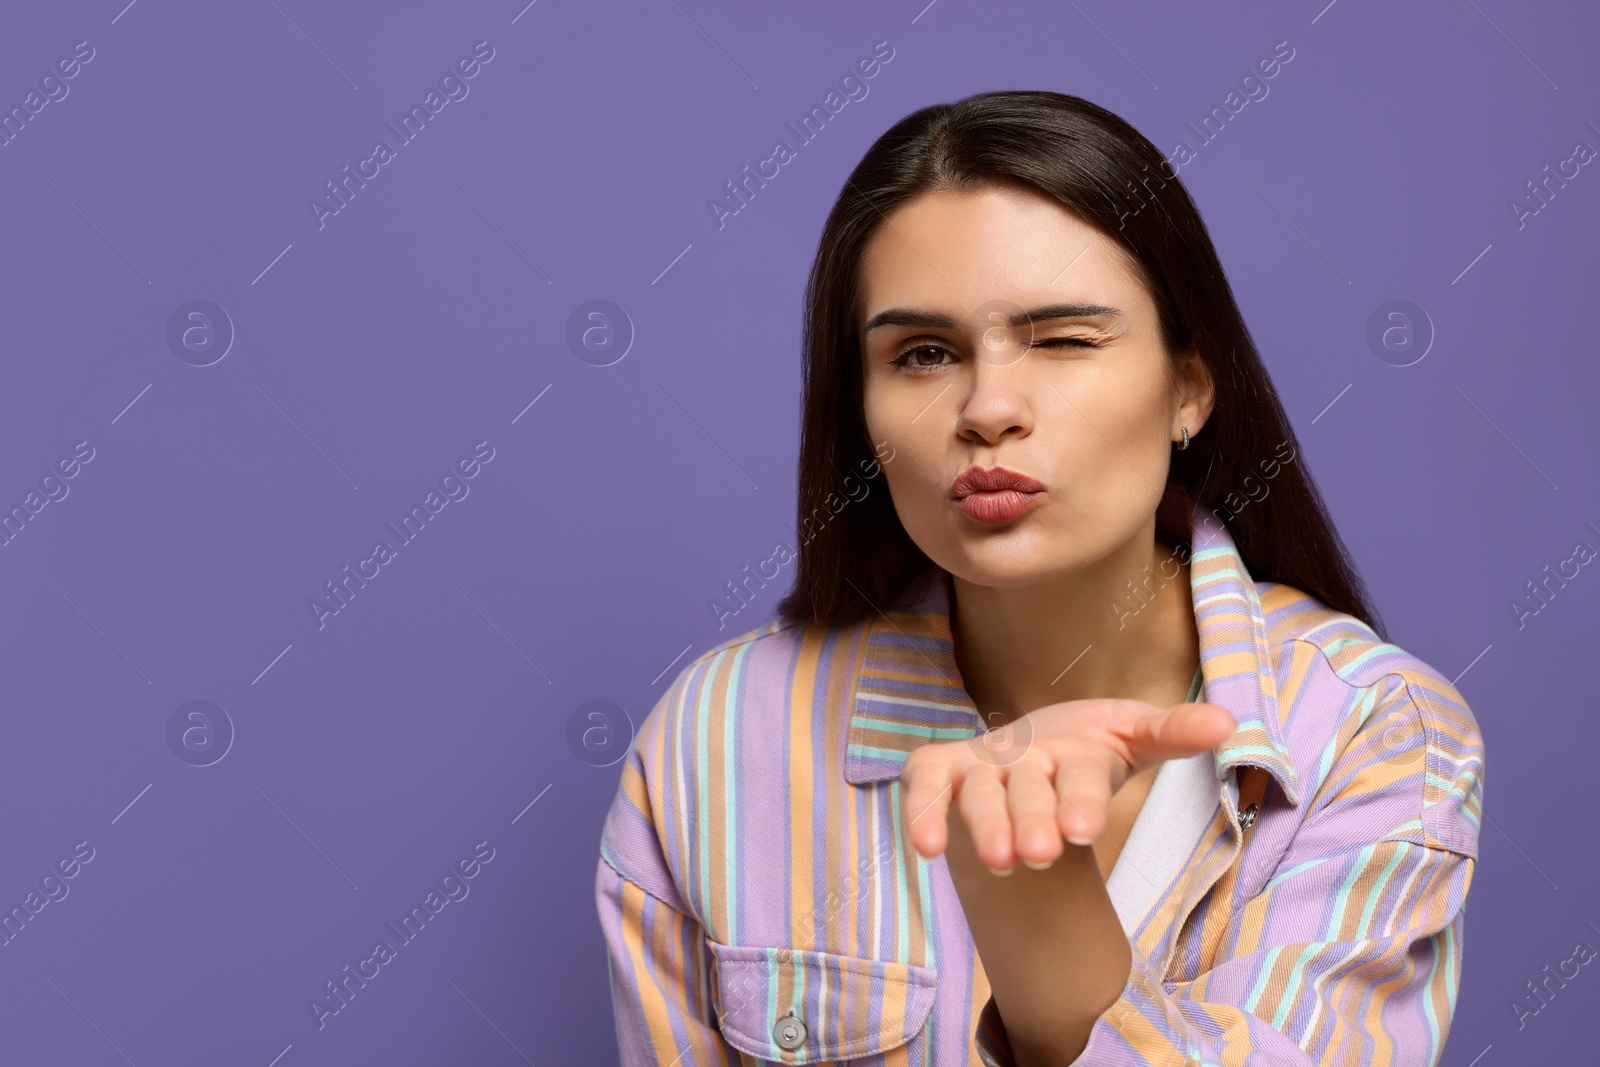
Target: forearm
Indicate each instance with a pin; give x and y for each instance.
(1051, 946)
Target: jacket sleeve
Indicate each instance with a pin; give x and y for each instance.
(659, 964)
(1380, 987)
(1350, 952)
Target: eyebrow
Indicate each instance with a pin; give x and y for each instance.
(934, 320)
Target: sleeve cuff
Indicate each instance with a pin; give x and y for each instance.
(1142, 1028)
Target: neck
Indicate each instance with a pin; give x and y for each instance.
(1079, 635)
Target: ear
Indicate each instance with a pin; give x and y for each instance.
(1196, 393)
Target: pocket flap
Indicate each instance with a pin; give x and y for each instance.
(847, 1006)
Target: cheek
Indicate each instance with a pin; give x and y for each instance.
(917, 440)
(1110, 448)
(918, 484)
(878, 412)
(911, 478)
(1115, 413)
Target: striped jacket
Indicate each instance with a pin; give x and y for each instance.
(760, 899)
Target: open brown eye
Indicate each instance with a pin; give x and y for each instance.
(912, 357)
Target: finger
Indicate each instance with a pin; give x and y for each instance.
(1177, 732)
(982, 802)
(928, 781)
(1032, 802)
(1083, 791)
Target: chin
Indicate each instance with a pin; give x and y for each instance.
(1003, 559)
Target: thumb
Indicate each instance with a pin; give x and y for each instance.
(1179, 732)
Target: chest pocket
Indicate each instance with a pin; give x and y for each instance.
(793, 1006)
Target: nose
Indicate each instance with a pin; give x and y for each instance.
(998, 402)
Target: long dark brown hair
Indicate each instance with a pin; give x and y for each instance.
(854, 556)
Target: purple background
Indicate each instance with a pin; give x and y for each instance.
(370, 354)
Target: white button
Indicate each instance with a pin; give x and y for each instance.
(789, 1032)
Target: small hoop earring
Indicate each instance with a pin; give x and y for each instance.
(1185, 439)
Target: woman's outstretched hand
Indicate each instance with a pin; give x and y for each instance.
(1047, 775)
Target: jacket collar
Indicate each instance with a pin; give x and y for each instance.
(908, 690)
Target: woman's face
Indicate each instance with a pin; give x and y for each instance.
(999, 330)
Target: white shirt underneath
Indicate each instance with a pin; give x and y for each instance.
(1182, 802)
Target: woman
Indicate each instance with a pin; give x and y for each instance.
(1048, 498)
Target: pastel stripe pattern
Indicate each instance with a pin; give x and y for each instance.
(761, 902)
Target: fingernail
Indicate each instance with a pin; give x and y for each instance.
(1040, 866)
(999, 874)
(1080, 840)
